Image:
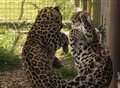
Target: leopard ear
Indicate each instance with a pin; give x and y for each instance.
(39, 10)
(57, 8)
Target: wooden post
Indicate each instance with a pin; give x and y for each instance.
(109, 15)
(96, 12)
(117, 32)
(84, 5)
(115, 29)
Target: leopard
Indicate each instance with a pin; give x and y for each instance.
(44, 35)
(47, 24)
(93, 62)
(94, 67)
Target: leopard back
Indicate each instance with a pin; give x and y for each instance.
(92, 61)
(43, 39)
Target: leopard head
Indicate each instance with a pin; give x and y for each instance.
(82, 22)
(49, 19)
(50, 14)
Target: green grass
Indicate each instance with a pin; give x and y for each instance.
(8, 61)
(6, 38)
(67, 71)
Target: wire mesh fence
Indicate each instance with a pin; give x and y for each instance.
(11, 9)
(17, 16)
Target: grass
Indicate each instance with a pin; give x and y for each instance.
(67, 71)
(8, 61)
(7, 39)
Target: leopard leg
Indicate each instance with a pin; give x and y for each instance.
(56, 63)
(64, 42)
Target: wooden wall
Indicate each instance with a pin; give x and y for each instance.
(110, 16)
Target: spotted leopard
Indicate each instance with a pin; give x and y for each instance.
(91, 60)
(46, 31)
(43, 39)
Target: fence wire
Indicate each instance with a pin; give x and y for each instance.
(19, 14)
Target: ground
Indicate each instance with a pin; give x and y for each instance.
(13, 79)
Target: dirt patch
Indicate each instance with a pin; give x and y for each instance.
(13, 79)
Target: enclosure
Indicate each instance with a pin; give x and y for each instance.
(17, 17)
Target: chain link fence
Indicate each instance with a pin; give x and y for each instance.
(13, 11)
(17, 16)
